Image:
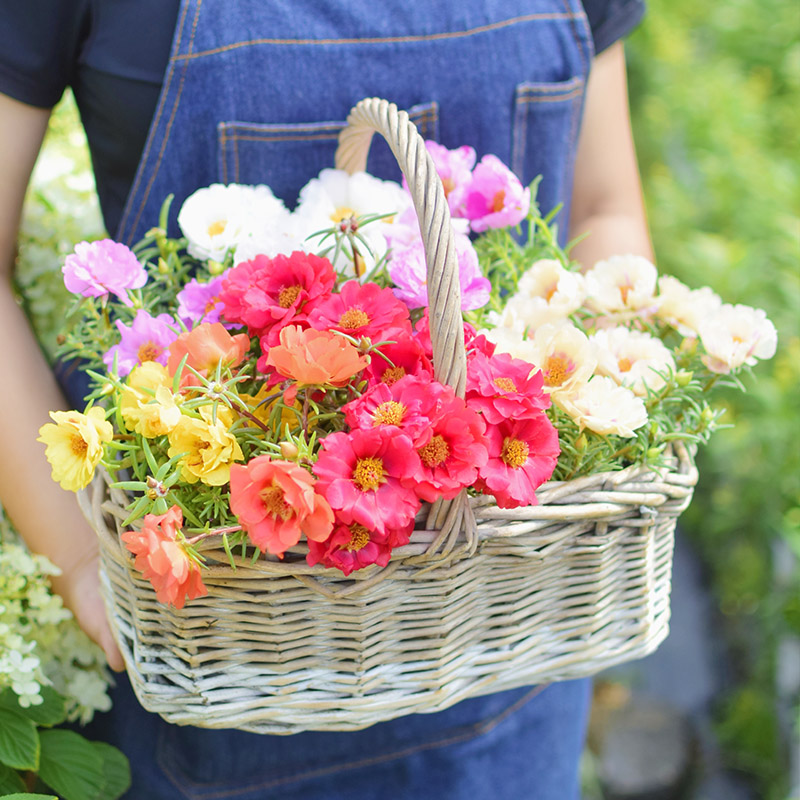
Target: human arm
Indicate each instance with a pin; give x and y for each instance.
(607, 198)
(47, 517)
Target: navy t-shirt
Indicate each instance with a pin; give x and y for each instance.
(113, 54)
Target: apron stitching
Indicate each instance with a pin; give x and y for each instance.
(236, 159)
(223, 141)
(559, 99)
(477, 729)
(298, 138)
(154, 125)
(383, 40)
(168, 130)
(549, 88)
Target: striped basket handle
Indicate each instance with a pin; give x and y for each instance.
(444, 291)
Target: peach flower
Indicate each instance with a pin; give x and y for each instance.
(207, 345)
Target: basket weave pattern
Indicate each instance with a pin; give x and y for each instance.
(482, 599)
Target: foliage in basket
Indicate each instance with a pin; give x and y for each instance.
(248, 389)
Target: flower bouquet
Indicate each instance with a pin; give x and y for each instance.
(346, 472)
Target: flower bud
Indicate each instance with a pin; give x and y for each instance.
(163, 267)
(653, 453)
(581, 442)
(289, 451)
(215, 267)
(683, 378)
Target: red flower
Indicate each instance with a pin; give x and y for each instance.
(363, 310)
(453, 450)
(522, 456)
(163, 560)
(275, 502)
(360, 474)
(502, 387)
(407, 357)
(268, 293)
(352, 547)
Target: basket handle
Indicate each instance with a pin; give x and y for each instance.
(444, 290)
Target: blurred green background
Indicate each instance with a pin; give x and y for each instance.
(716, 115)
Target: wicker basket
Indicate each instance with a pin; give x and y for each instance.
(482, 599)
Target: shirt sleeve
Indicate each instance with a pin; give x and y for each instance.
(40, 41)
(611, 20)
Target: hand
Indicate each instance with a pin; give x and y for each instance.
(80, 589)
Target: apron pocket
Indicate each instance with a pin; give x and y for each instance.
(280, 154)
(544, 135)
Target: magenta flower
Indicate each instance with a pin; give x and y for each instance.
(147, 339)
(96, 269)
(495, 198)
(408, 273)
(455, 170)
(199, 302)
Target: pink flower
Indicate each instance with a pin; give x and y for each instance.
(275, 502)
(200, 302)
(147, 339)
(162, 558)
(454, 168)
(407, 357)
(495, 198)
(96, 269)
(362, 309)
(502, 387)
(522, 456)
(454, 449)
(422, 334)
(352, 546)
(268, 293)
(407, 270)
(360, 475)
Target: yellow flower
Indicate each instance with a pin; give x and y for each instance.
(209, 446)
(75, 445)
(147, 403)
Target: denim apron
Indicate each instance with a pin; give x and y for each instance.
(256, 92)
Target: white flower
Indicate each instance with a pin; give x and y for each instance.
(604, 407)
(335, 196)
(565, 356)
(546, 293)
(511, 341)
(737, 335)
(218, 218)
(685, 308)
(622, 285)
(632, 358)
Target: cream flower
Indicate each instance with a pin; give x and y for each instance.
(685, 308)
(511, 341)
(632, 358)
(565, 356)
(604, 407)
(75, 445)
(737, 335)
(623, 286)
(147, 403)
(217, 218)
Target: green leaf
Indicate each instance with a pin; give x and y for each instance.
(116, 770)
(10, 781)
(26, 796)
(52, 711)
(19, 742)
(71, 765)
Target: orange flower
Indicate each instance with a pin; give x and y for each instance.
(315, 357)
(162, 558)
(207, 345)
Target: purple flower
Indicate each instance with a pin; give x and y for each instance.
(455, 170)
(408, 272)
(147, 339)
(199, 302)
(97, 268)
(495, 198)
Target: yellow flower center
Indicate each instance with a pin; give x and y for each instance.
(435, 452)
(342, 213)
(393, 374)
(389, 413)
(624, 291)
(556, 370)
(78, 445)
(275, 502)
(499, 201)
(449, 184)
(368, 474)
(506, 384)
(625, 365)
(359, 538)
(149, 351)
(216, 228)
(514, 453)
(353, 318)
(288, 295)
(550, 291)
(210, 305)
